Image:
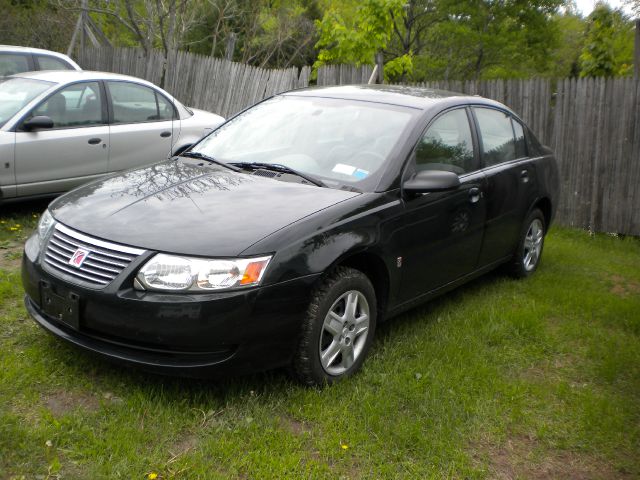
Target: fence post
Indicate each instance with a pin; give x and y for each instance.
(636, 61)
(380, 65)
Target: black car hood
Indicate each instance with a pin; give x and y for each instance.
(185, 206)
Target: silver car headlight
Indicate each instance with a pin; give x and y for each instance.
(179, 274)
(45, 225)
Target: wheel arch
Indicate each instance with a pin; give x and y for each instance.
(374, 267)
(544, 205)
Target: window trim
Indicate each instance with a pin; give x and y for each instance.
(29, 114)
(111, 120)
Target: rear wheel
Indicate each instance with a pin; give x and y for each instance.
(338, 328)
(529, 251)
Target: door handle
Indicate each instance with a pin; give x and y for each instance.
(165, 134)
(94, 141)
(524, 175)
(475, 194)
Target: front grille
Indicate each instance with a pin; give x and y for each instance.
(102, 264)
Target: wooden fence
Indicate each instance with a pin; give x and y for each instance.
(593, 125)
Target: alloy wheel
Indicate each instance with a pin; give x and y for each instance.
(344, 332)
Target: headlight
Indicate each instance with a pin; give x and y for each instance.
(44, 225)
(173, 273)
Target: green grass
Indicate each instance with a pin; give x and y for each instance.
(514, 379)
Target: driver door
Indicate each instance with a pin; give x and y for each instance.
(442, 231)
(73, 152)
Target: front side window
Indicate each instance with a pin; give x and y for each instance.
(16, 93)
(77, 105)
(496, 132)
(447, 144)
(134, 103)
(11, 63)
(51, 63)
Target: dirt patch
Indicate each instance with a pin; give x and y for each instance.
(523, 457)
(62, 402)
(10, 257)
(623, 287)
(293, 426)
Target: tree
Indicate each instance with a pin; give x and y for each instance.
(489, 39)
(353, 32)
(35, 23)
(608, 45)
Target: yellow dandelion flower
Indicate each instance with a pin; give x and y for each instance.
(344, 446)
(152, 476)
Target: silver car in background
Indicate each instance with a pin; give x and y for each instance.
(15, 59)
(60, 129)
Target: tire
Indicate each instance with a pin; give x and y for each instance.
(334, 343)
(527, 256)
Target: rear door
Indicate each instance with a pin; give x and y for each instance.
(73, 151)
(510, 181)
(143, 125)
(442, 232)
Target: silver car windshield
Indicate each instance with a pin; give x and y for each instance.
(340, 142)
(16, 93)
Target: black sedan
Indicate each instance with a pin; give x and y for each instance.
(291, 231)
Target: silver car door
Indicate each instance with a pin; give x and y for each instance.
(142, 125)
(71, 153)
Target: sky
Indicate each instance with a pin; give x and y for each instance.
(586, 6)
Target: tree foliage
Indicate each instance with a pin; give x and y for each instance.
(353, 32)
(608, 45)
(419, 39)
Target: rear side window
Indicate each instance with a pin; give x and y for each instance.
(77, 105)
(11, 63)
(496, 133)
(521, 144)
(52, 63)
(447, 144)
(134, 103)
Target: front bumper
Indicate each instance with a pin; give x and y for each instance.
(196, 335)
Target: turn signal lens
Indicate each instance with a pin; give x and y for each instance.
(253, 272)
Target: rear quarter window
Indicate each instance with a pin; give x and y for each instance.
(51, 63)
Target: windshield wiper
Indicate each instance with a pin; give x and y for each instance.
(202, 156)
(278, 167)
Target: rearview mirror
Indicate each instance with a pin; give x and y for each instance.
(37, 122)
(431, 181)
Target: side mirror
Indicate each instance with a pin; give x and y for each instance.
(431, 181)
(38, 122)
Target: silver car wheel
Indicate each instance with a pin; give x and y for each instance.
(344, 332)
(533, 245)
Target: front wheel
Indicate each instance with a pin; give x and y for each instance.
(338, 328)
(527, 256)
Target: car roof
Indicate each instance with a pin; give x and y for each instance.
(402, 95)
(51, 53)
(68, 76)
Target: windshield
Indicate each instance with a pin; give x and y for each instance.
(17, 92)
(340, 142)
